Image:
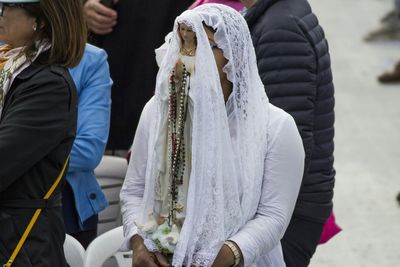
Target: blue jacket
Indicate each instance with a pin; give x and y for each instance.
(93, 83)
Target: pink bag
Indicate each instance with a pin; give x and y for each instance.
(330, 229)
(236, 4)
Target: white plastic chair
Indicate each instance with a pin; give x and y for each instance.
(106, 246)
(74, 251)
(111, 174)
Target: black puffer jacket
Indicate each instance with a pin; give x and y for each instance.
(294, 65)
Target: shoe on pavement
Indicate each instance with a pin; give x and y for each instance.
(398, 198)
(388, 31)
(391, 77)
(384, 33)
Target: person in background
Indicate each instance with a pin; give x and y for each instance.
(38, 110)
(129, 30)
(82, 197)
(295, 68)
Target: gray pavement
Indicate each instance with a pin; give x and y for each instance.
(367, 138)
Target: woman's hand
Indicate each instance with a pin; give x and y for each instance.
(141, 256)
(161, 260)
(225, 258)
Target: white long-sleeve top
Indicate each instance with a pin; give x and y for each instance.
(259, 239)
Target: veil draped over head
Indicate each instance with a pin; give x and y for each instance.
(229, 141)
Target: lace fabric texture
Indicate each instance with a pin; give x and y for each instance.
(228, 141)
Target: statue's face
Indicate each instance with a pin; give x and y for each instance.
(186, 33)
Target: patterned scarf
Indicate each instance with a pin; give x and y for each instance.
(12, 62)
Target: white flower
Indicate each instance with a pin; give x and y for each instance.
(166, 237)
(150, 226)
(173, 236)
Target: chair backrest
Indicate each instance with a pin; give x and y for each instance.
(106, 246)
(110, 174)
(74, 251)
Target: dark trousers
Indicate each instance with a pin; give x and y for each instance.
(85, 237)
(83, 233)
(300, 241)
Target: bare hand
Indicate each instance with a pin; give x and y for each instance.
(161, 260)
(225, 258)
(100, 18)
(141, 256)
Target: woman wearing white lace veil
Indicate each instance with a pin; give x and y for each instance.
(215, 169)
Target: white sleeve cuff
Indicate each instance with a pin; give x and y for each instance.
(126, 245)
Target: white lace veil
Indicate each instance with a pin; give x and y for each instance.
(228, 141)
